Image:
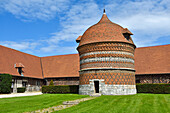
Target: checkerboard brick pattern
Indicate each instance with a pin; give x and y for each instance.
(113, 77)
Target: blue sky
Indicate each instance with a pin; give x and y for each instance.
(50, 27)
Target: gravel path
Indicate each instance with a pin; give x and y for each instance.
(65, 105)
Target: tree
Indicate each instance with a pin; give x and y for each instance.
(51, 83)
(5, 83)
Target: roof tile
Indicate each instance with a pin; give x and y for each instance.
(9, 57)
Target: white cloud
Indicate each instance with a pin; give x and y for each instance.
(147, 29)
(76, 21)
(19, 46)
(59, 49)
(34, 9)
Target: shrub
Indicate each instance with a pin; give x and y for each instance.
(153, 88)
(21, 90)
(60, 89)
(51, 83)
(5, 83)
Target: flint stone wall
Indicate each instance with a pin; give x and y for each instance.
(106, 89)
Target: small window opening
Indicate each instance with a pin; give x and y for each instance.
(137, 81)
(12, 85)
(127, 36)
(24, 84)
(38, 83)
(19, 67)
(20, 70)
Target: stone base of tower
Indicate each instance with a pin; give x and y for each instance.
(105, 89)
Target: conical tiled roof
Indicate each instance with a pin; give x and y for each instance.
(105, 31)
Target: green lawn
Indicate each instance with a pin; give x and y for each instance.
(31, 103)
(140, 103)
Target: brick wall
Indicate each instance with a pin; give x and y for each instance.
(159, 78)
(64, 81)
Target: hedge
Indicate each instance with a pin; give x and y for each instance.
(5, 83)
(153, 88)
(61, 89)
(21, 90)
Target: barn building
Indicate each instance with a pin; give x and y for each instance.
(106, 53)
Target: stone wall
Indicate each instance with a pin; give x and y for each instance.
(106, 89)
(154, 78)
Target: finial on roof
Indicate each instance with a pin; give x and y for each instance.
(104, 11)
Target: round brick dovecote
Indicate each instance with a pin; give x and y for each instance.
(106, 53)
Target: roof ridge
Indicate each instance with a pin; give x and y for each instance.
(60, 55)
(42, 68)
(152, 46)
(19, 51)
